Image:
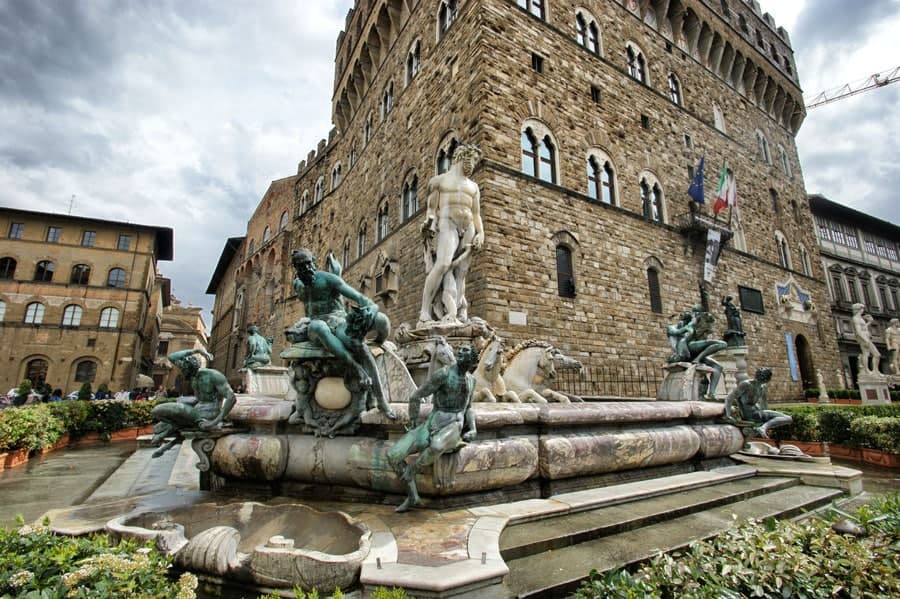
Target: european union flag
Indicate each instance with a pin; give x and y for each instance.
(696, 188)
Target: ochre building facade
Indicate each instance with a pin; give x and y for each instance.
(79, 299)
(591, 117)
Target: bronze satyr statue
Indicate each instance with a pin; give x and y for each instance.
(734, 333)
(449, 427)
(259, 349)
(750, 398)
(205, 411)
(689, 343)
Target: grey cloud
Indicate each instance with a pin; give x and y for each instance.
(839, 24)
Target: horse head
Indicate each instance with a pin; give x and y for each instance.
(564, 362)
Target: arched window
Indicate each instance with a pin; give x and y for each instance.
(116, 278)
(535, 7)
(319, 190)
(335, 176)
(785, 162)
(304, 202)
(7, 267)
(674, 89)
(601, 178)
(565, 272)
(72, 316)
(267, 234)
(410, 197)
(282, 225)
(413, 61)
(109, 318)
(784, 251)
(251, 247)
(345, 255)
(36, 371)
(718, 118)
(587, 34)
(2, 310)
(651, 200)
(387, 100)
(637, 66)
(85, 371)
(367, 129)
(81, 274)
(538, 156)
(763, 146)
(352, 160)
(445, 154)
(34, 313)
(446, 16)
(361, 241)
(44, 271)
(805, 263)
(776, 204)
(383, 221)
(654, 289)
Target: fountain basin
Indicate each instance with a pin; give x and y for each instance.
(276, 546)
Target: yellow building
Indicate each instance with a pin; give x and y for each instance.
(78, 299)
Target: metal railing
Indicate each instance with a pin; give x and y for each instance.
(639, 380)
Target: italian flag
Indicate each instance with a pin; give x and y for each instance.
(726, 194)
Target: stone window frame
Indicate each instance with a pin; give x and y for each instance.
(319, 190)
(636, 62)
(361, 240)
(785, 162)
(387, 100)
(605, 165)
(2, 310)
(16, 230)
(336, 175)
(538, 139)
(775, 200)
(383, 221)
(43, 271)
(762, 147)
(109, 318)
(80, 276)
(676, 95)
(585, 25)
(30, 373)
(410, 183)
(445, 150)
(283, 222)
(345, 252)
(8, 266)
(653, 268)
(72, 315)
(34, 313)
(568, 242)
(447, 13)
(267, 234)
(85, 370)
(719, 118)
(304, 202)
(836, 283)
(116, 281)
(53, 234)
(88, 238)
(805, 263)
(367, 129)
(536, 8)
(413, 61)
(351, 159)
(251, 247)
(653, 184)
(783, 250)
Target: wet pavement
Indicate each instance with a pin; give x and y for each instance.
(63, 478)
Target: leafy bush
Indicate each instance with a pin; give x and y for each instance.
(74, 416)
(24, 388)
(84, 393)
(803, 428)
(876, 432)
(772, 559)
(30, 427)
(107, 415)
(34, 562)
(137, 413)
(810, 392)
(834, 425)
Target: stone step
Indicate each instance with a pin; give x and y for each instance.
(558, 572)
(521, 540)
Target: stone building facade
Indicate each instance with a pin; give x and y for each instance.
(591, 117)
(861, 258)
(78, 299)
(180, 328)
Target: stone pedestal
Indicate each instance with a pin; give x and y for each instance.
(873, 388)
(417, 346)
(683, 381)
(271, 381)
(734, 369)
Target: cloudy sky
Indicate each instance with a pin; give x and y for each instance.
(179, 114)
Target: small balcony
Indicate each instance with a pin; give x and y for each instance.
(695, 224)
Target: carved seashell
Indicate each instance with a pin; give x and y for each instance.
(214, 550)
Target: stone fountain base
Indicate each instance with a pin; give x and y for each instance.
(522, 451)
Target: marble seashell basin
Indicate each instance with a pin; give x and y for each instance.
(272, 545)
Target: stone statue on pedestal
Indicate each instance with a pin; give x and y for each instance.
(205, 411)
(869, 356)
(448, 428)
(452, 232)
(750, 399)
(259, 349)
(892, 339)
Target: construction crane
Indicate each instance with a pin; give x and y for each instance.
(851, 89)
